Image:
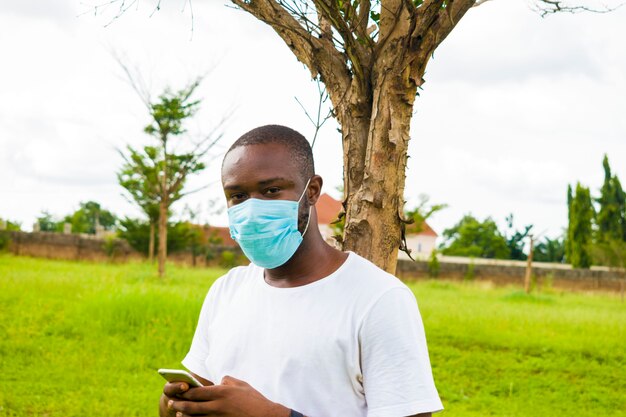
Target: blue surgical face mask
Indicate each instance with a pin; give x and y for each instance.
(267, 230)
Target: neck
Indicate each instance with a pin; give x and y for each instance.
(314, 260)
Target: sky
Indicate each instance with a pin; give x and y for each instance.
(514, 108)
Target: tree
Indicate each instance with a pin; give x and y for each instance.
(568, 247)
(140, 177)
(165, 172)
(47, 223)
(515, 239)
(550, 250)
(371, 55)
(611, 219)
(579, 231)
(472, 238)
(89, 216)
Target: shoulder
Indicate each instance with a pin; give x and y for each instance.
(370, 278)
(233, 281)
(369, 284)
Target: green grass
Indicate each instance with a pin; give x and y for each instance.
(86, 339)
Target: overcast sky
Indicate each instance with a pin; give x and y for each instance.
(514, 107)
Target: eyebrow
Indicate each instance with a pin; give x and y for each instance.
(262, 183)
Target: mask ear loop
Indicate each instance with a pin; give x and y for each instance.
(308, 220)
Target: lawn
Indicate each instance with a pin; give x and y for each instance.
(85, 339)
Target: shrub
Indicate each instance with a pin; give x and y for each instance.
(5, 240)
(433, 265)
(228, 259)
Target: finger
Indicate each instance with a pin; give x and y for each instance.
(172, 389)
(191, 408)
(209, 393)
(229, 380)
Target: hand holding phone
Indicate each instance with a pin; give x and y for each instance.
(179, 375)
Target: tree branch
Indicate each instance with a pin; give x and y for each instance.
(547, 7)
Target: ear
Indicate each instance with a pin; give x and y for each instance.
(314, 190)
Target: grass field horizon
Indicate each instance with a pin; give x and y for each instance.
(82, 338)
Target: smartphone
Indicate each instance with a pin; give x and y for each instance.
(178, 375)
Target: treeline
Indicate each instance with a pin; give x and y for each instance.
(91, 218)
(595, 233)
(471, 237)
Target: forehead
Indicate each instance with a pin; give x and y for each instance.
(255, 163)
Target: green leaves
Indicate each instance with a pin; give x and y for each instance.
(473, 238)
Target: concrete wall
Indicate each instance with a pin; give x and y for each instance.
(506, 272)
(500, 272)
(90, 248)
(69, 246)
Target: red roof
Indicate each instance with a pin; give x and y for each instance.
(328, 209)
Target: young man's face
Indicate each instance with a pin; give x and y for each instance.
(265, 171)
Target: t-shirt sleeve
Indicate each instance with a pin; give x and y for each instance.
(397, 377)
(196, 358)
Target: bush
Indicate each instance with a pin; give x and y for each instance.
(5, 240)
(433, 265)
(228, 259)
(110, 245)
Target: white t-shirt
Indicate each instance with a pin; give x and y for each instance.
(351, 344)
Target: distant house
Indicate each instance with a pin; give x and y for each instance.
(421, 242)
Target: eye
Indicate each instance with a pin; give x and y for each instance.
(272, 190)
(237, 197)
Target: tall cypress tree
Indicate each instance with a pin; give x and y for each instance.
(568, 247)
(579, 229)
(611, 218)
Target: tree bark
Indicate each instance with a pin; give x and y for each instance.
(375, 184)
(162, 253)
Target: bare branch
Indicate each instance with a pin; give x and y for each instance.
(320, 121)
(547, 7)
(318, 54)
(135, 80)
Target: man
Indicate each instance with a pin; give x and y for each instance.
(305, 329)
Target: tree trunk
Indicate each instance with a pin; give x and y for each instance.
(163, 208)
(375, 185)
(151, 243)
(162, 254)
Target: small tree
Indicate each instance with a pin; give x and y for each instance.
(579, 231)
(140, 177)
(611, 218)
(157, 177)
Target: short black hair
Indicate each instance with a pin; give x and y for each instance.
(295, 141)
